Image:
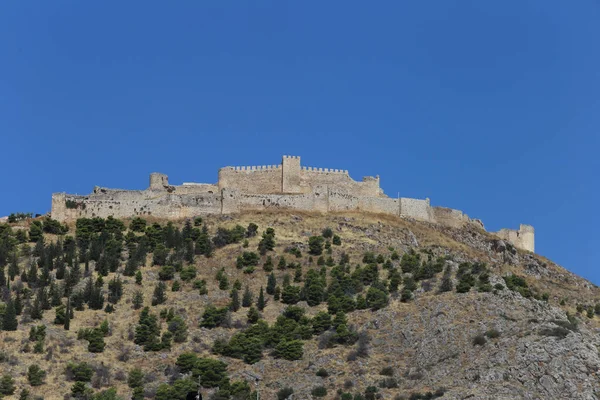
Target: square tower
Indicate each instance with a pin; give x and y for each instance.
(290, 166)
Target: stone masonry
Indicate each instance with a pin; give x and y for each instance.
(288, 185)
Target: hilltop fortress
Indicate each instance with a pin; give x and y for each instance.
(285, 186)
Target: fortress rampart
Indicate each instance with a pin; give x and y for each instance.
(285, 186)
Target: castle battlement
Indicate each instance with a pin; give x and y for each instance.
(325, 170)
(288, 185)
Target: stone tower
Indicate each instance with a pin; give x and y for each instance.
(158, 181)
(290, 166)
(527, 237)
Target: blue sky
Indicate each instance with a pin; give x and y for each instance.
(488, 107)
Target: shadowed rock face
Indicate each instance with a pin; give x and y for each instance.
(530, 358)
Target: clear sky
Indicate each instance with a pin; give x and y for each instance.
(490, 107)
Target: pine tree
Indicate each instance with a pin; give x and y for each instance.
(253, 315)
(136, 378)
(203, 243)
(13, 268)
(35, 375)
(44, 300)
(60, 269)
(178, 328)
(138, 299)
(188, 254)
(234, 305)
(44, 279)
(36, 309)
(147, 331)
(261, 303)
(73, 278)
(67, 323)
(271, 283)
(88, 290)
(32, 277)
(282, 264)
(9, 320)
(18, 303)
(268, 265)
(96, 341)
(131, 266)
(159, 296)
(97, 297)
(7, 385)
(267, 243)
(55, 294)
(138, 277)
(2, 277)
(247, 298)
(115, 290)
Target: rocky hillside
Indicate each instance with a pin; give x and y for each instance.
(347, 306)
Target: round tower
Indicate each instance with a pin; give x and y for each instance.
(158, 181)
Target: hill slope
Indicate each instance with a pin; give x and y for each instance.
(412, 308)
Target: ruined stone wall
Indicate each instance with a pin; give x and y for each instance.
(449, 217)
(341, 200)
(380, 205)
(127, 204)
(300, 202)
(286, 186)
(257, 179)
(523, 238)
(196, 188)
(415, 208)
(310, 177)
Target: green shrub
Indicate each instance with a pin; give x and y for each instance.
(248, 258)
(81, 372)
(517, 284)
(492, 334)
(406, 296)
(315, 245)
(479, 340)
(188, 273)
(387, 371)
(322, 372)
(7, 385)
(289, 350)
(166, 273)
(136, 378)
(319, 391)
(376, 298)
(267, 243)
(159, 296)
(36, 375)
(284, 393)
(388, 383)
(213, 316)
(465, 283)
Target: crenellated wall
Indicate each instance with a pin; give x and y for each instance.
(286, 186)
(255, 179)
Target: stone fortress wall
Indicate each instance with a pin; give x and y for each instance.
(286, 186)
